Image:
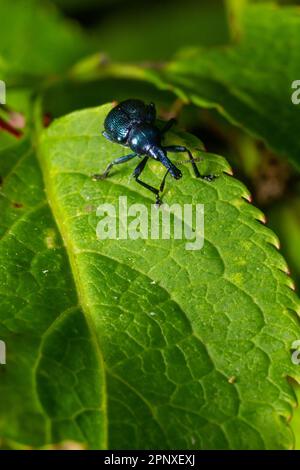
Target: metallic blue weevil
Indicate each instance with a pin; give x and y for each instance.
(132, 124)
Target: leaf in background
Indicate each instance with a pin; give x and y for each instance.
(284, 219)
(36, 41)
(295, 423)
(134, 344)
(250, 82)
(77, 5)
(72, 95)
(166, 27)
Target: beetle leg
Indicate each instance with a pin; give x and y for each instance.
(180, 148)
(137, 172)
(168, 125)
(117, 161)
(162, 184)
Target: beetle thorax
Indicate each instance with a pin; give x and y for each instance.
(142, 137)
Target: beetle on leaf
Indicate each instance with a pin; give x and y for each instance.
(132, 124)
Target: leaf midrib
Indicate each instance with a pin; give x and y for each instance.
(82, 301)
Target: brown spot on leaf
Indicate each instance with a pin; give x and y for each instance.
(89, 208)
(18, 205)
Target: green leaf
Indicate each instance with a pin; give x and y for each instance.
(138, 343)
(284, 220)
(36, 41)
(296, 421)
(167, 26)
(250, 82)
(72, 95)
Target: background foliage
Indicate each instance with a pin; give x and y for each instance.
(224, 69)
